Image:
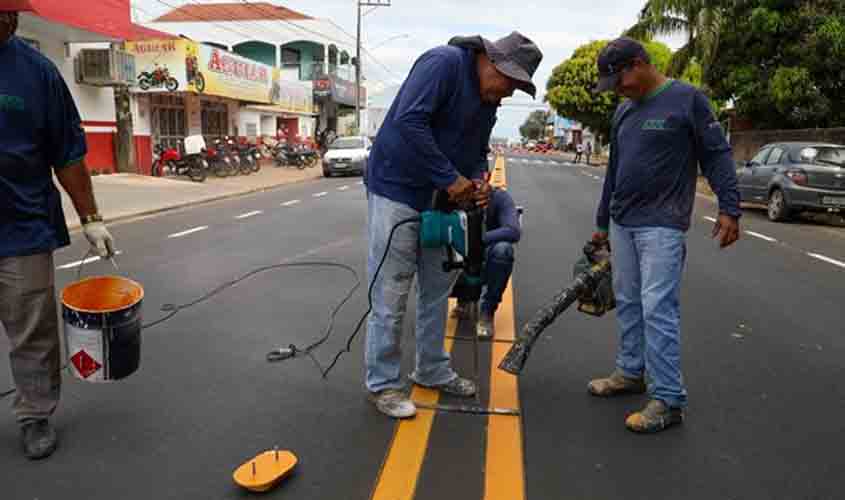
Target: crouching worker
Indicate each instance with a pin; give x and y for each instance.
(503, 232)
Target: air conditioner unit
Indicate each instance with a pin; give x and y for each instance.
(104, 67)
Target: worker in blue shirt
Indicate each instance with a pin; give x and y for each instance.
(434, 137)
(40, 133)
(660, 136)
(502, 232)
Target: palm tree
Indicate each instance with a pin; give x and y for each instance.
(701, 20)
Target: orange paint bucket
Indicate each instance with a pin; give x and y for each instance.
(102, 326)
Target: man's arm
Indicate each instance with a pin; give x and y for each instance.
(76, 181)
(717, 164)
(505, 210)
(427, 88)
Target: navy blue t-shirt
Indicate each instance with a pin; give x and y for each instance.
(657, 144)
(40, 129)
(502, 219)
(437, 128)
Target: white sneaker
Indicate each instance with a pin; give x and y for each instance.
(393, 403)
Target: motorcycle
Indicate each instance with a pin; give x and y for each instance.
(250, 156)
(286, 155)
(238, 161)
(159, 77)
(221, 163)
(169, 161)
(194, 75)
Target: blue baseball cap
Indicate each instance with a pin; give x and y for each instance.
(614, 58)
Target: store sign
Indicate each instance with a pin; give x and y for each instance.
(184, 65)
(323, 88)
(341, 91)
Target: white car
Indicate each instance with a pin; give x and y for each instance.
(347, 156)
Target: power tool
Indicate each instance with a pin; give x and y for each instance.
(459, 228)
(592, 288)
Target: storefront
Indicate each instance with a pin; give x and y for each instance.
(336, 100)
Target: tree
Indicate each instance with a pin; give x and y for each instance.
(701, 20)
(783, 63)
(534, 125)
(570, 88)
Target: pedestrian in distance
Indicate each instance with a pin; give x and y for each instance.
(435, 136)
(40, 134)
(588, 151)
(579, 152)
(660, 136)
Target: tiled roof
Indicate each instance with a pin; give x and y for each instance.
(251, 11)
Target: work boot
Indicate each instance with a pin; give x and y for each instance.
(39, 439)
(616, 384)
(458, 386)
(393, 403)
(655, 417)
(485, 327)
(463, 310)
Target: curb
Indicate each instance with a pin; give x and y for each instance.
(199, 201)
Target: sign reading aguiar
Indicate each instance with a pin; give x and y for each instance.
(187, 66)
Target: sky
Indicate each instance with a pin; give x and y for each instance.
(400, 33)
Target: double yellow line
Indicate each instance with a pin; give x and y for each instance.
(504, 464)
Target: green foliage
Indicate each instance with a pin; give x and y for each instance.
(534, 125)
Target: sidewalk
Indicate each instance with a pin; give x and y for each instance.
(121, 196)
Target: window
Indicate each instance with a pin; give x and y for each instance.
(290, 57)
(169, 120)
(760, 158)
(215, 120)
(775, 157)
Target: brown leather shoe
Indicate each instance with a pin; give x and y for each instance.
(655, 417)
(616, 384)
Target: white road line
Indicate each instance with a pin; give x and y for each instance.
(827, 259)
(711, 219)
(319, 195)
(78, 263)
(249, 214)
(189, 231)
(343, 188)
(761, 236)
(290, 203)
(360, 183)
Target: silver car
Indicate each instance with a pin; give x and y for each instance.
(794, 177)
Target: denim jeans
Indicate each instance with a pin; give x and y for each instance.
(392, 286)
(497, 272)
(647, 266)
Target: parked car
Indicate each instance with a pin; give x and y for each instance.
(794, 177)
(347, 156)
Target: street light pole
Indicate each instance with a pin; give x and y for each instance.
(362, 3)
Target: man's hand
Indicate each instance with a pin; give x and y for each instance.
(482, 193)
(727, 230)
(100, 239)
(461, 190)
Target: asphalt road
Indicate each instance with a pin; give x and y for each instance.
(763, 352)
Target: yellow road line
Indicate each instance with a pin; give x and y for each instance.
(401, 468)
(504, 477)
(498, 177)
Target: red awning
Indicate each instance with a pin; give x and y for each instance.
(111, 18)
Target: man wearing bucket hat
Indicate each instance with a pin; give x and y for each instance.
(435, 137)
(41, 134)
(660, 136)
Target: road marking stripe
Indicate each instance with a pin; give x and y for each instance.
(78, 263)
(189, 231)
(343, 188)
(249, 214)
(290, 203)
(402, 465)
(319, 195)
(761, 236)
(827, 259)
(711, 219)
(504, 477)
(360, 183)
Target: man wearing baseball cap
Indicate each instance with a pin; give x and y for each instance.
(435, 137)
(660, 137)
(40, 133)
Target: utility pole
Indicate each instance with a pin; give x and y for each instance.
(362, 3)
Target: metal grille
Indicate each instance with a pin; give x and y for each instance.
(169, 120)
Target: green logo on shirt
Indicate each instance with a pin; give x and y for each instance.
(11, 103)
(655, 125)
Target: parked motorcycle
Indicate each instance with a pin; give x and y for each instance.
(250, 156)
(159, 77)
(286, 155)
(221, 163)
(238, 161)
(169, 161)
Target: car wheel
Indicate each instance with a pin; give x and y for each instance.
(778, 207)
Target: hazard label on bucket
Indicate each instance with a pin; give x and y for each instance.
(85, 364)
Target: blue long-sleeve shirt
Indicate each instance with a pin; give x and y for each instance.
(502, 219)
(437, 128)
(657, 144)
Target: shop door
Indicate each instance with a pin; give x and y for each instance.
(169, 121)
(215, 120)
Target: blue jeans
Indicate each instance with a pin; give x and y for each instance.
(392, 286)
(647, 266)
(497, 272)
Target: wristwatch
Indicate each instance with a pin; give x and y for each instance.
(87, 219)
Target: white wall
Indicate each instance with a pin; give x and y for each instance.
(249, 117)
